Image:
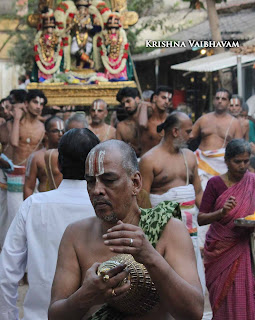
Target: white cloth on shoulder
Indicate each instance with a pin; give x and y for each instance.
(210, 163)
(185, 195)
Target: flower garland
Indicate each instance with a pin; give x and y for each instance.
(122, 56)
(39, 57)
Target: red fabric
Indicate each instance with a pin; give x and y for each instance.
(214, 188)
(228, 265)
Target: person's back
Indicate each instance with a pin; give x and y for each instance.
(36, 167)
(34, 236)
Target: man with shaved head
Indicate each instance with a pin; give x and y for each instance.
(98, 113)
(36, 167)
(79, 290)
(169, 172)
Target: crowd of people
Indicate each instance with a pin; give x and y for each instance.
(78, 190)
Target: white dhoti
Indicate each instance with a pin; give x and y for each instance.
(15, 184)
(185, 195)
(210, 163)
(4, 223)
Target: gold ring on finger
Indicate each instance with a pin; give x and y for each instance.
(106, 278)
(113, 293)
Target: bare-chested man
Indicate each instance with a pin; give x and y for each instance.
(235, 109)
(128, 130)
(98, 113)
(169, 172)
(153, 115)
(54, 176)
(25, 135)
(5, 110)
(113, 182)
(216, 129)
(54, 129)
(27, 131)
(16, 100)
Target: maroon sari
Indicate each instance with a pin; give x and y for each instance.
(228, 265)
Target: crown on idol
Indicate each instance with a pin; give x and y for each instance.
(48, 19)
(113, 20)
(82, 3)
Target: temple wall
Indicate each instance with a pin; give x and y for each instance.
(9, 74)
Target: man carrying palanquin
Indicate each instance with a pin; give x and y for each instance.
(36, 168)
(152, 115)
(98, 113)
(169, 172)
(128, 130)
(216, 129)
(26, 133)
(113, 183)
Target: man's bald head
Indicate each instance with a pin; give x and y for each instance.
(174, 120)
(127, 153)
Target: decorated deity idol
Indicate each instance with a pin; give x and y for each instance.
(114, 48)
(85, 27)
(48, 48)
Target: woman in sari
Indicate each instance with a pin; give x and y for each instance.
(227, 254)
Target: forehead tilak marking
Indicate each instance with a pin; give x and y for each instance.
(168, 95)
(96, 163)
(221, 94)
(61, 125)
(39, 100)
(234, 101)
(96, 106)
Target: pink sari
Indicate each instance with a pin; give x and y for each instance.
(228, 266)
